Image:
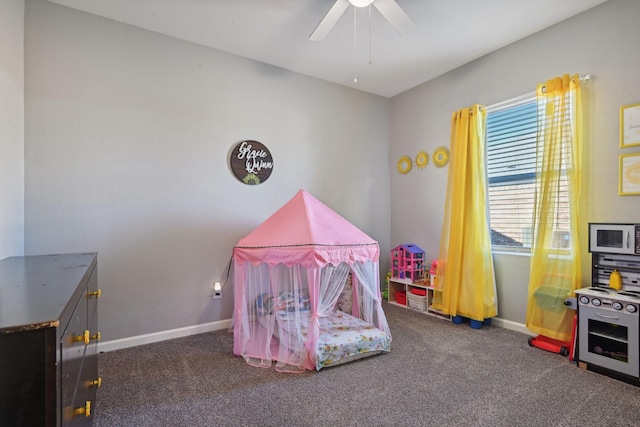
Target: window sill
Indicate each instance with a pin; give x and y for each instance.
(513, 253)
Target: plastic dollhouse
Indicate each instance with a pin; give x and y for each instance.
(408, 262)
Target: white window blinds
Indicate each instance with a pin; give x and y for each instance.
(511, 167)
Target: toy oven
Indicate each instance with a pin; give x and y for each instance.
(608, 329)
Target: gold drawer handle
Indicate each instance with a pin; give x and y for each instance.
(96, 294)
(86, 337)
(82, 338)
(86, 410)
(97, 383)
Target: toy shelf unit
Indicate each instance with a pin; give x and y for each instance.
(408, 262)
(418, 296)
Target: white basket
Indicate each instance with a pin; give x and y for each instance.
(417, 302)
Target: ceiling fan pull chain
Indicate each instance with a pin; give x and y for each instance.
(370, 60)
(355, 47)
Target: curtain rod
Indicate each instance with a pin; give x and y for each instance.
(513, 102)
(523, 99)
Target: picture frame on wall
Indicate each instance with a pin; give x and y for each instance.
(629, 178)
(630, 125)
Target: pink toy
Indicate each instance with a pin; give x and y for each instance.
(407, 262)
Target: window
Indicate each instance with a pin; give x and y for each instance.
(511, 167)
(512, 141)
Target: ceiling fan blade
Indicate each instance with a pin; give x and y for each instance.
(395, 15)
(329, 20)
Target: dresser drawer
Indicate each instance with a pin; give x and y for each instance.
(80, 412)
(79, 368)
(73, 345)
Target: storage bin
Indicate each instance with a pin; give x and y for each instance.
(401, 297)
(551, 298)
(418, 302)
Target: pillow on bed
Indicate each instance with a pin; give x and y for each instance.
(264, 303)
(283, 301)
(289, 301)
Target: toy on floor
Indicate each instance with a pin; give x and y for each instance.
(385, 293)
(564, 348)
(551, 345)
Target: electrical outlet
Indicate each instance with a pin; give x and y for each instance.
(217, 290)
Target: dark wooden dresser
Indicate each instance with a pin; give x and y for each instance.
(48, 340)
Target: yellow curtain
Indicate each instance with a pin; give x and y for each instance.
(556, 248)
(465, 275)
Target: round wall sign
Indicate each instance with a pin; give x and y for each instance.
(251, 162)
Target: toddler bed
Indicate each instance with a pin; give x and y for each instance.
(342, 337)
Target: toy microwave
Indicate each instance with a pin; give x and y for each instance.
(614, 238)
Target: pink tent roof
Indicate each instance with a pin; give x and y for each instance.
(306, 231)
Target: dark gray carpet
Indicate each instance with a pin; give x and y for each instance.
(437, 373)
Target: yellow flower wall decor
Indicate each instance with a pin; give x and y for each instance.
(422, 159)
(404, 165)
(441, 157)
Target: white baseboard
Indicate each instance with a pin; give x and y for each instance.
(162, 335)
(112, 345)
(513, 326)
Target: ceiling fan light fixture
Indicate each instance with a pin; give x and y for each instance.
(361, 3)
(389, 10)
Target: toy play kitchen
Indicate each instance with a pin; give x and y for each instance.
(609, 310)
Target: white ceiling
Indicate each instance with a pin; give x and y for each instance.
(448, 33)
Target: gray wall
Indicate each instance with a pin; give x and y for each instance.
(11, 128)
(127, 134)
(603, 42)
(127, 139)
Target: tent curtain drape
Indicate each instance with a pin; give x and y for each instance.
(294, 350)
(325, 287)
(465, 273)
(366, 284)
(555, 267)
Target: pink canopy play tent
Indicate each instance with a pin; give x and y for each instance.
(307, 290)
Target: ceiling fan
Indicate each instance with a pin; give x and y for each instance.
(389, 9)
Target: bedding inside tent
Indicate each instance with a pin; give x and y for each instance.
(307, 290)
